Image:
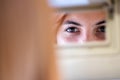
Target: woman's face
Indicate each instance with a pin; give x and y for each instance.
(81, 27)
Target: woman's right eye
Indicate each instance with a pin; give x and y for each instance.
(72, 30)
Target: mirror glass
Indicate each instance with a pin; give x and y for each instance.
(79, 27)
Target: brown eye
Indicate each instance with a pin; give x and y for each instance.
(100, 32)
(72, 30)
(101, 29)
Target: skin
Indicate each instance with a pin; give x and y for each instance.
(81, 27)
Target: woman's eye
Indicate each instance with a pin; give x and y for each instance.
(72, 30)
(100, 32)
(101, 29)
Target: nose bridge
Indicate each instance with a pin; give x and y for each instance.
(88, 35)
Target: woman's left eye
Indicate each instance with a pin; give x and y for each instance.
(101, 29)
(100, 32)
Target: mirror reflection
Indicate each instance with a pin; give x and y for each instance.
(80, 27)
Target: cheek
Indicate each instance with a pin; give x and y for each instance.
(100, 36)
(64, 39)
(71, 38)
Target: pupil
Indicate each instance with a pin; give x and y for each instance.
(72, 29)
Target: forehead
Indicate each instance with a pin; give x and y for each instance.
(87, 16)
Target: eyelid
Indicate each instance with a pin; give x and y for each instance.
(96, 26)
(69, 25)
(104, 24)
(100, 26)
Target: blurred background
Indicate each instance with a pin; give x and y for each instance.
(26, 42)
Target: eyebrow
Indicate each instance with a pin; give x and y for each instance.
(72, 22)
(101, 22)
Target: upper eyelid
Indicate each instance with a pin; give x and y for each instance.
(70, 25)
(73, 26)
(104, 24)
